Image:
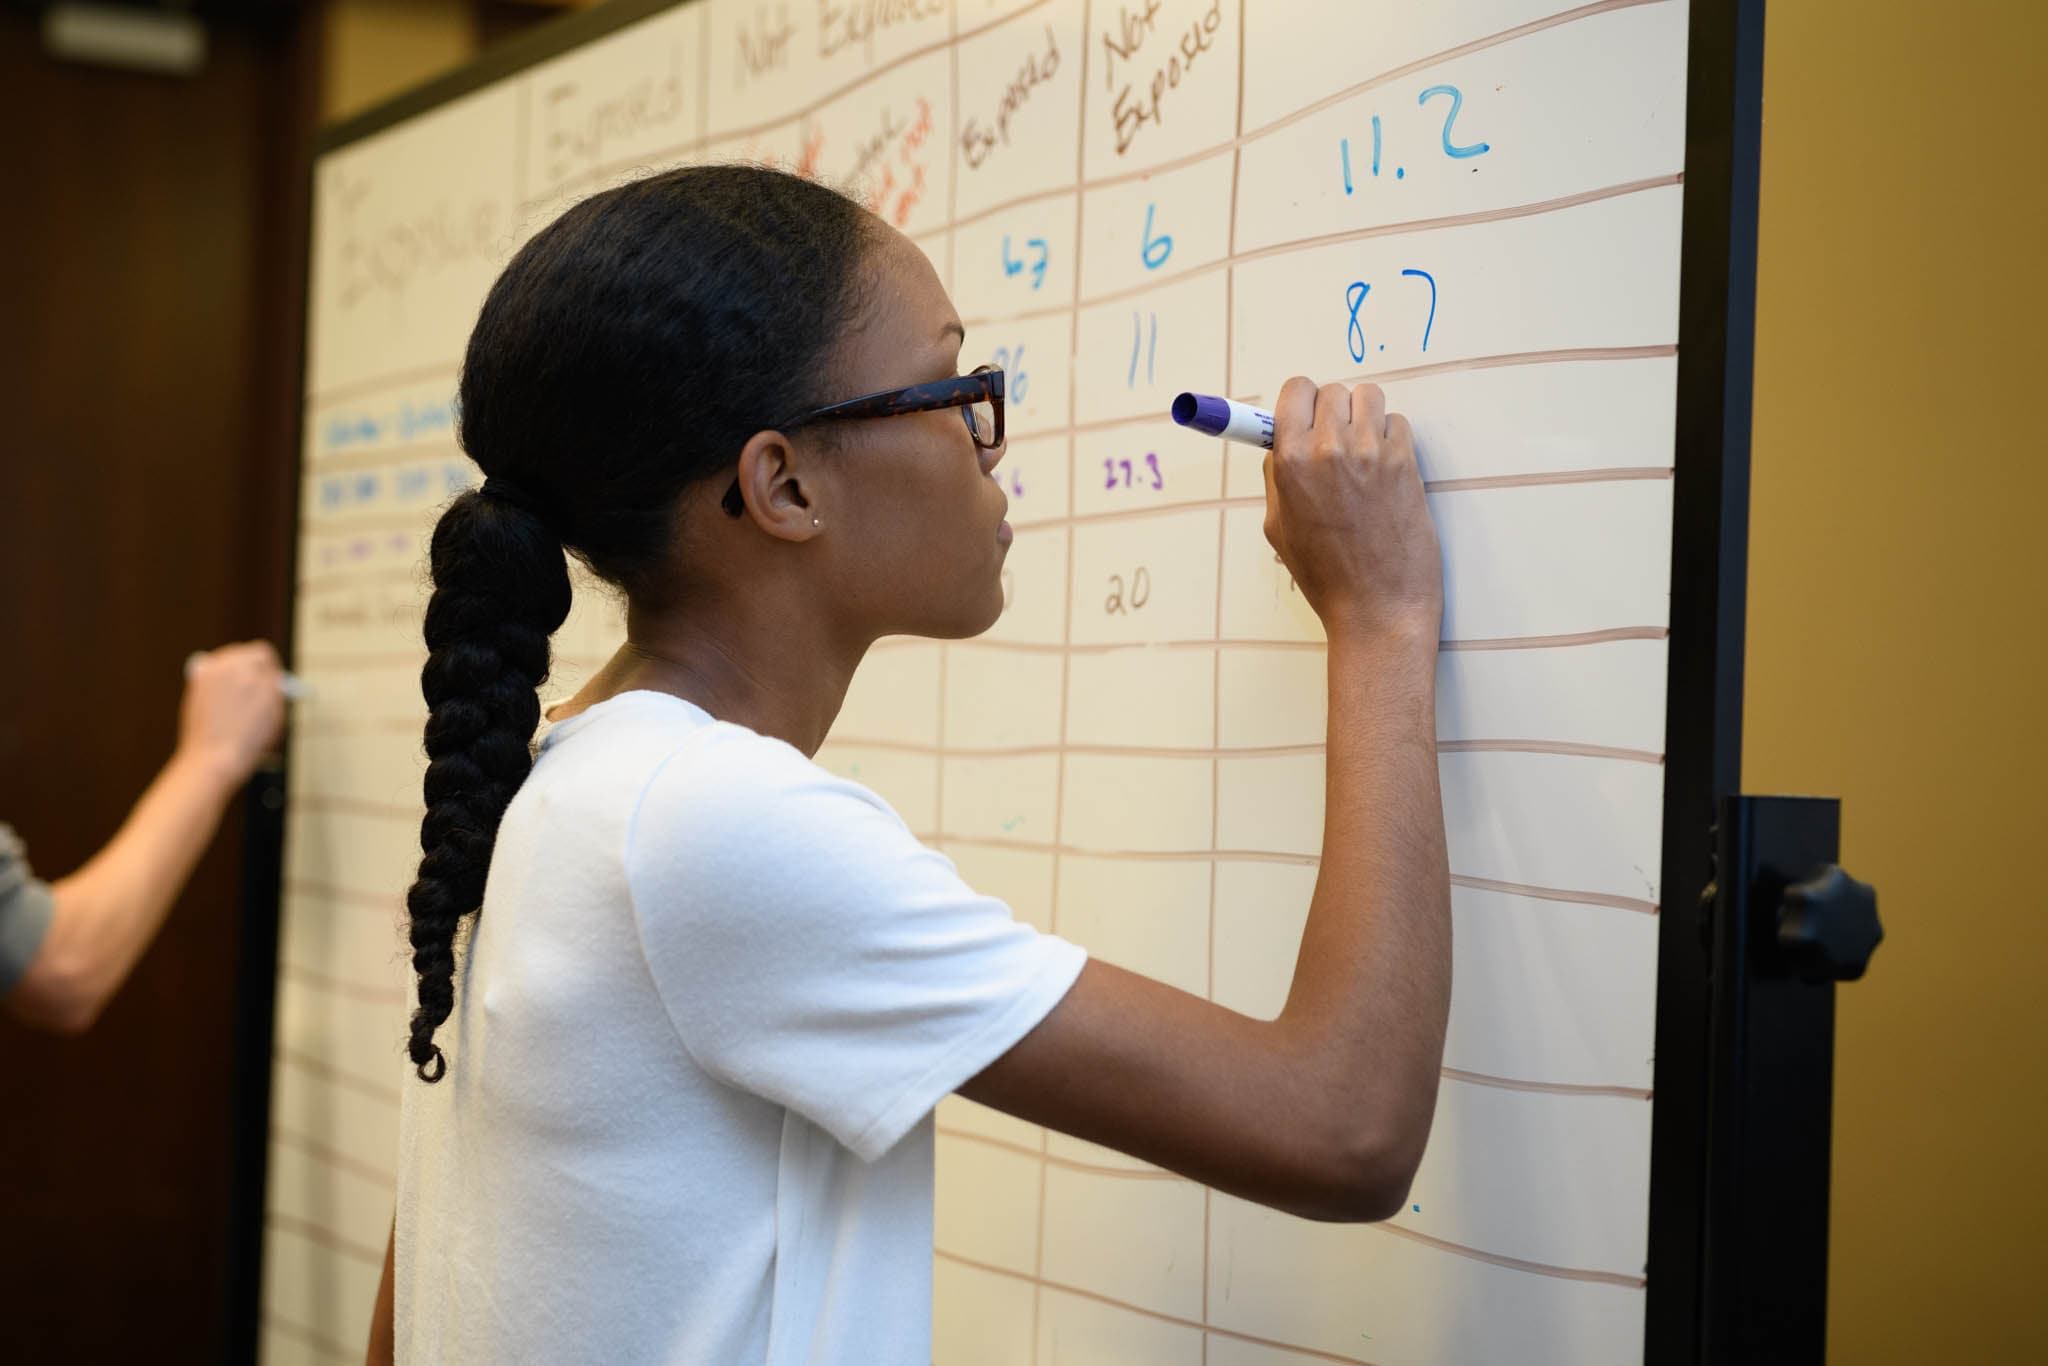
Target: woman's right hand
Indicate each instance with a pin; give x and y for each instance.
(1345, 510)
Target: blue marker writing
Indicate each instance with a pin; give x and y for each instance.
(1227, 418)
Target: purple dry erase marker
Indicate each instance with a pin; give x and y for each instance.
(1227, 418)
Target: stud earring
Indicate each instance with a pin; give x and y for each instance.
(816, 522)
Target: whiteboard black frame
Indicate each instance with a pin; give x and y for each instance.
(1709, 576)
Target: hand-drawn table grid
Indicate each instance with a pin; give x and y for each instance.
(974, 783)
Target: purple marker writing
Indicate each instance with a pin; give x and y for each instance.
(1227, 418)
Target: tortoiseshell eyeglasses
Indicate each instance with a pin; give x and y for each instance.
(978, 395)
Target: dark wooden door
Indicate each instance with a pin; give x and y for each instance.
(151, 236)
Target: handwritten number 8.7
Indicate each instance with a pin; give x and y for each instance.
(1354, 299)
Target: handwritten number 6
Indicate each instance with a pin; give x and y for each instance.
(1451, 149)
(1154, 250)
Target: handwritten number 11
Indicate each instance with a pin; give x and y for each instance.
(1139, 343)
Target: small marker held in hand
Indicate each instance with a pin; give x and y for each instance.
(294, 688)
(1224, 417)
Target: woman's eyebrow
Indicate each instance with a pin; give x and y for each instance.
(953, 329)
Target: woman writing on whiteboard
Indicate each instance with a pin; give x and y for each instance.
(684, 1061)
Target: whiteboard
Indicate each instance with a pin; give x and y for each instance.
(1476, 204)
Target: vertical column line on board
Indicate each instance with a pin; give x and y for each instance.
(952, 202)
(1222, 532)
(953, 178)
(522, 112)
(703, 77)
(1067, 607)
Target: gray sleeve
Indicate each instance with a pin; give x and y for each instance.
(25, 909)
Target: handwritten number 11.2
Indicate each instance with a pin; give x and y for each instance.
(1456, 151)
(1354, 299)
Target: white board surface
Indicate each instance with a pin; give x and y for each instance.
(1477, 203)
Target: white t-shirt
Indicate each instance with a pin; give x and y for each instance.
(699, 1031)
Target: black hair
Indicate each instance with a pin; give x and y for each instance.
(627, 351)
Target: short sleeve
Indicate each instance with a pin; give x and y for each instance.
(25, 910)
(810, 950)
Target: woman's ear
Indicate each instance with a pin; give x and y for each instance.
(780, 496)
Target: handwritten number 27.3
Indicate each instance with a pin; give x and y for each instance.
(1012, 266)
(1354, 299)
(1110, 468)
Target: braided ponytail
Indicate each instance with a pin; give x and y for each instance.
(501, 588)
(627, 352)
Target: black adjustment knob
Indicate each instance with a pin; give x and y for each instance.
(1828, 926)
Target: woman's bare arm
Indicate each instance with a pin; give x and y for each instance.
(1324, 1111)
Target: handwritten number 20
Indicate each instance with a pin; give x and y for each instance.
(1140, 593)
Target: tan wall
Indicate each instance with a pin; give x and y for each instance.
(1898, 563)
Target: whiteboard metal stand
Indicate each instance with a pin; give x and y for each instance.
(263, 803)
(1746, 963)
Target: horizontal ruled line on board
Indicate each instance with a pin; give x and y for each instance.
(392, 379)
(1560, 356)
(1090, 1168)
(1606, 899)
(393, 901)
(335, 986)
(341, 580)
(356, 525)
(1532, 209)
(1564, 355)
(1441, 1244)
(310, 1337)
(1548, 1088)
(1606, 637)
(1561, 748)
(348, 662)
(355, 806)
(301, 1061)
(331, 1157)
(1313, 1354)
(371, 458)
(324, 1236)
(329, 579)
(1265, 130)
